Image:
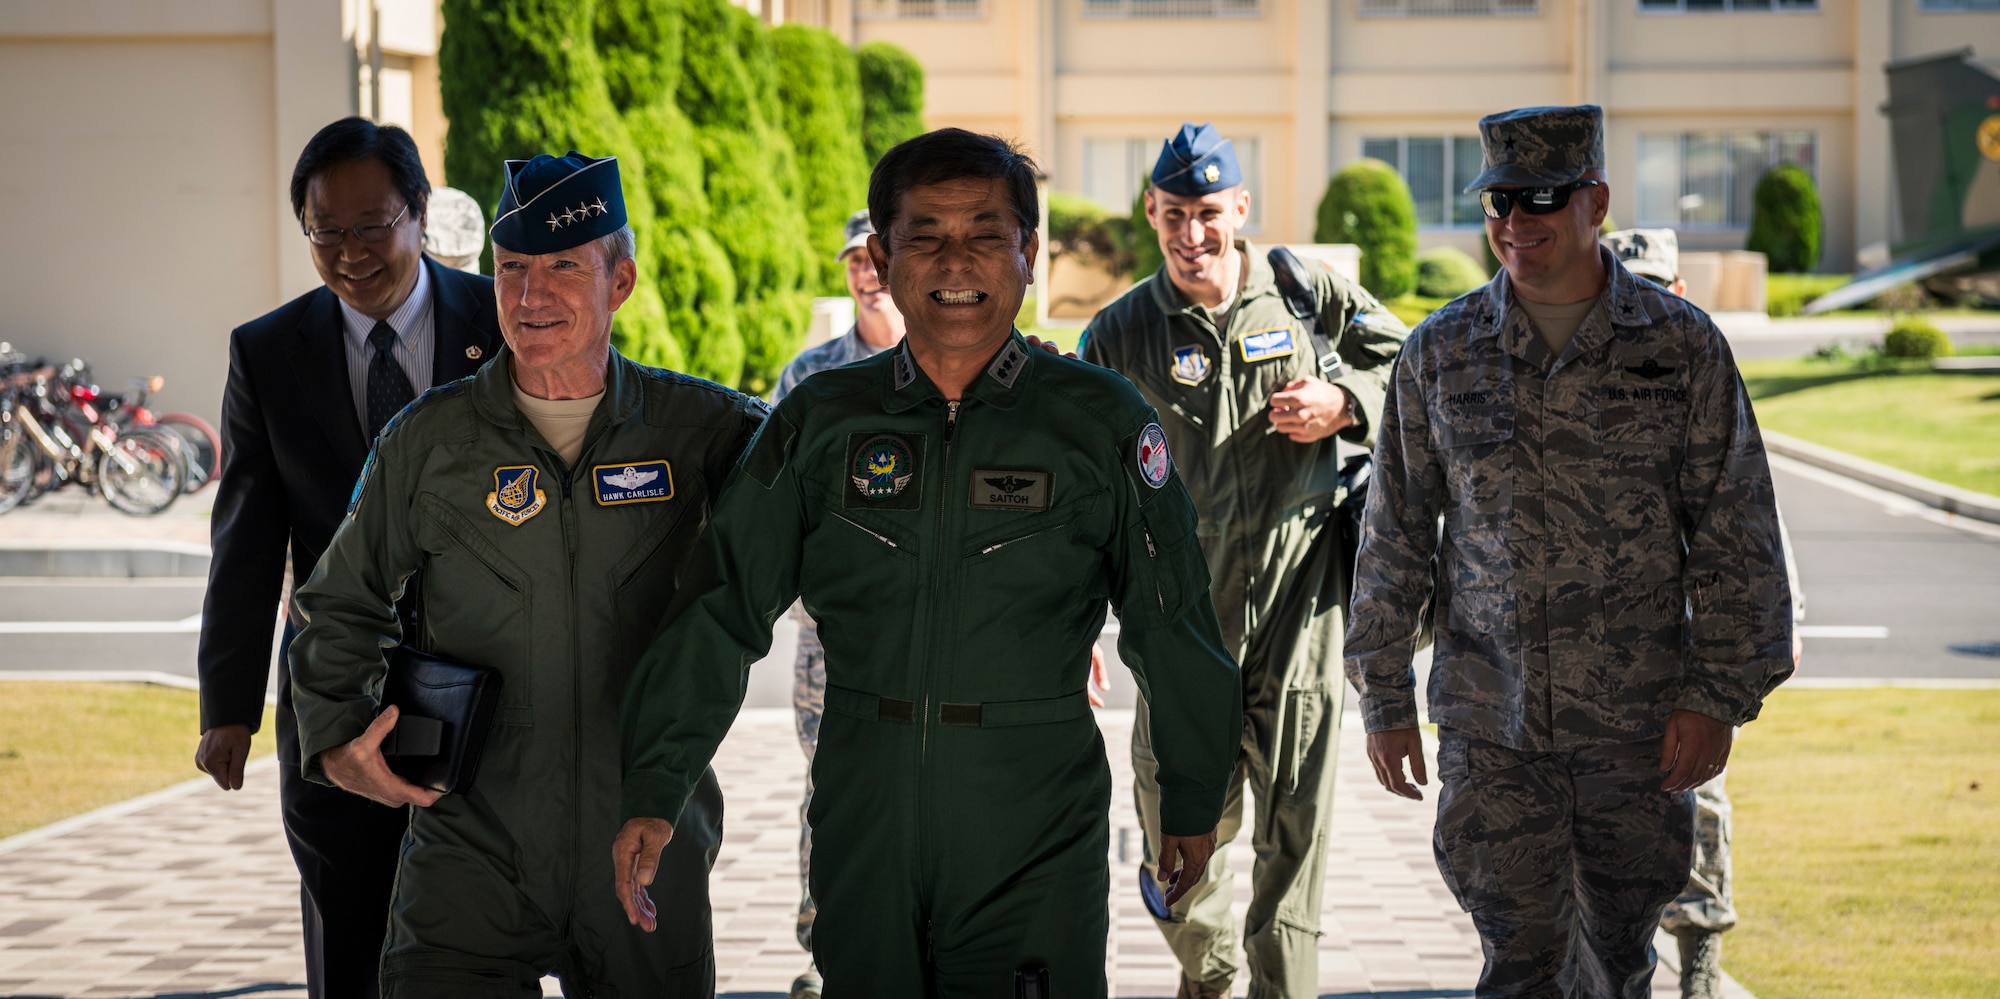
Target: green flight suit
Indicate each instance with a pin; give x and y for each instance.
(1280, 585)
(958, 557)
(556, 577)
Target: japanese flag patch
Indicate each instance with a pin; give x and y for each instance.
(1154, 463)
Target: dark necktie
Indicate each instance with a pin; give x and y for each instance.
(388, 386)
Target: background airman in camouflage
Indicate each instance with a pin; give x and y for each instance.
(1610, 592)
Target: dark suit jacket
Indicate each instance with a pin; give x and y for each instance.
(294, 449)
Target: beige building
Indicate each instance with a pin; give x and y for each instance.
(1701, 95)
(150, 150)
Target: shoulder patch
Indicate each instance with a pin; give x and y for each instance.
(1155, 465)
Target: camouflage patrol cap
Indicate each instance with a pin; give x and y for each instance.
(858, 229)
(1652, 253)
(1540, 147)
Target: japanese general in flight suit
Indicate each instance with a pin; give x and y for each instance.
(547, 502)
(957, 512)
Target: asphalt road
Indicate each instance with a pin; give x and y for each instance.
(1892, 591)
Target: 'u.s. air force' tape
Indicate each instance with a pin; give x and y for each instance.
(620, 483)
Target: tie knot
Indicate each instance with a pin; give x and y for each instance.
(382, 337)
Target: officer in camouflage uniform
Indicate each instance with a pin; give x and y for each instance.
(1609, 584)
(548, 501)
(957, 513)
(1706, 908)
(1252, 412)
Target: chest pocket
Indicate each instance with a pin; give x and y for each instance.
(1473, 447)
(477, 602)
(643, 580)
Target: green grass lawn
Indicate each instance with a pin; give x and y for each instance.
(1867, 845)
(66, 748)
(1941, 426)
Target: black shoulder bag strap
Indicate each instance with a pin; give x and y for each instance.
(1295, 285)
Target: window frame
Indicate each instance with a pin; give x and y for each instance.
(1792, 8)
(1173, 10)
(1954, 7)
(1774, 141)
(1400, 9)
(863, 12)
(1452, 190)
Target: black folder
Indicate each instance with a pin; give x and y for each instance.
(446, 709)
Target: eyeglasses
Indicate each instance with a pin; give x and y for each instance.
(365, 233)
(1533, 200)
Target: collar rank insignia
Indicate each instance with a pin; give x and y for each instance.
(1154, 463)
(1263, 345)
(639, 482)
(906, 370)
(1003, 489)
(883, 467)
(1649, 370)
(1191, 365)
(515, 497)
(1007, 366)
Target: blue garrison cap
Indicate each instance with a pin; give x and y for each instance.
(1195, 162)
(553, 203)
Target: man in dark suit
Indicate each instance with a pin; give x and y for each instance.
(310, 385)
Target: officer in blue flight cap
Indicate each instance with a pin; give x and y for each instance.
(1256, 364)
(544, 504)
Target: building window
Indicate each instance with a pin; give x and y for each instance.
(1171, 8)
(1706, 180)
(1437, 168)
(1955, 6)
(1724, 6)
(1115, 171)
(914, 9)
(1448, 8)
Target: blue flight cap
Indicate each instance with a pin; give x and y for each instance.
(553, 203)
(1195, 162)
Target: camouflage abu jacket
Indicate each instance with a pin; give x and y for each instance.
(1610, 548)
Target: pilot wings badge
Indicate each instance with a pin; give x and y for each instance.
(514, 498)
(620, 483)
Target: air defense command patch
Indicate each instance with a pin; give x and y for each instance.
(514, 497)
(1009, 489)
(639, 482)
(1263, 345)
(1191, 365)
(881, 468)
(1154, 463)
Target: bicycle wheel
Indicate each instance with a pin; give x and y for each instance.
(17, 466)
(142, 473)
(202, 444)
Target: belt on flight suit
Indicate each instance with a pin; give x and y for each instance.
(992, 714)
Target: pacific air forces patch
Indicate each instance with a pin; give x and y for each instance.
(1191, 365)
(620, 483)
(515, 497)
(881, 469)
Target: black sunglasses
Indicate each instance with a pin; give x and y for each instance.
(1533, 200)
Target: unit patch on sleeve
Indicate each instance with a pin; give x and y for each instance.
(1010, 489)
(515, 496)
(1154, 463)
(881, 471)
(1263, 345)
(1191, 365)
(639, 482)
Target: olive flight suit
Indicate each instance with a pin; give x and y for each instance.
(958, 557)
(1280, 586)
(557, 577)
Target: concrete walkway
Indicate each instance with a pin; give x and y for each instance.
(190, 893)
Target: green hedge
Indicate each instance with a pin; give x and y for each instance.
(1918, 338)
(1368, 204)
(819, 87)
(892, 97)
(1447, 272)
(1786, 295)
(1786, 223)
(1090, 232)
(1146, 255)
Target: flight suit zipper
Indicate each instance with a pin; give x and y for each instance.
(885, 539)
(570, 531)
(1153, 552)
(937, 588)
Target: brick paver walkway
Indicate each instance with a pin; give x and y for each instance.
(195, 897)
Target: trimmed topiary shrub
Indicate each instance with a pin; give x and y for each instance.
(1916, 338)
(1447, 272)
(1086, 230)
(892, 97)
(819, 90)
(1146, 255)
(1368, 204)
(1786, 223)
(521, 77)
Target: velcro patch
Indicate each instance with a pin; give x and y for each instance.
(882, 471)
(1010, 489)
(620, 483)
(1264, 345)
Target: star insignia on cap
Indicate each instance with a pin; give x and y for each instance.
(1211, 173)
(555, 222)
(598, 207)
(568, 217)
(1509, 143)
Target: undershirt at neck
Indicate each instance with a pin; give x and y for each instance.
(1557, 323)
(560, 421)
